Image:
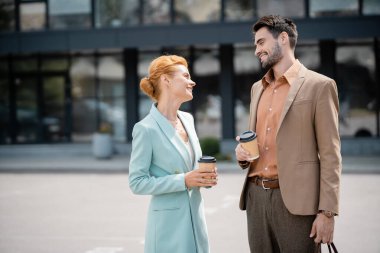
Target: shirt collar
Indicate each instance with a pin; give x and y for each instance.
(290, 75)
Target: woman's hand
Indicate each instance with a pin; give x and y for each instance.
(201, 178)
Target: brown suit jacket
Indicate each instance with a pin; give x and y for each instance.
(308, 144)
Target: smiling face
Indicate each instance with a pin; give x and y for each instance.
(268, 48)
(181, 84)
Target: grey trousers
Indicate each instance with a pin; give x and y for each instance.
(272, 228)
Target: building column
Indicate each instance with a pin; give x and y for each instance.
(13, 123)
(377, 81)
(226, 54)
(131, 91)
(190, 62)
(327, 54)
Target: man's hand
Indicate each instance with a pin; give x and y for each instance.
(241, 153)
(323, 229)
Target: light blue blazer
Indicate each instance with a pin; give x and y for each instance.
(159, 161)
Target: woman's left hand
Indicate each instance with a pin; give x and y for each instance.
(201, 178)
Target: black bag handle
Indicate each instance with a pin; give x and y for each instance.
(332, 245)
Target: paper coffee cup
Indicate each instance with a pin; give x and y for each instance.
(248, 140)
(207, 163)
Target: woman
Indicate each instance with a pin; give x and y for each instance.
(165, 151)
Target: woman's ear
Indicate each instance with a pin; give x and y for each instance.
(165, 80)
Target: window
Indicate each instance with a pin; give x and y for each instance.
(4, 111)
(32, 16)
(55, 63)
(247, 70)
(145, 58)
(82, 74)
(207, 98)
(112, 94)
(54, 114)
(357, 90)
(156, 11)
(115, 13)
(371, 7)
(239, 10)
(309, 55)
(3, 66)
(321, 8)
(25, 63)
(288, 8)
(69, 14)
(196, 11)
(27, 109)
(7, 22)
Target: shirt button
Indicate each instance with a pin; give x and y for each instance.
(268, 129)
(270, 109)
(266, 168)
(266, 148)
(275, 91)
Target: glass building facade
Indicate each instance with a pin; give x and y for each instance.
(67, 66)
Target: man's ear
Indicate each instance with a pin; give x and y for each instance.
(284, 38)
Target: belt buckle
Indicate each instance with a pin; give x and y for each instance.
(262, 184)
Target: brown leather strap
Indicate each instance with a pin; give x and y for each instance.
(266, 184)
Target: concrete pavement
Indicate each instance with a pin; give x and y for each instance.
(59, 210)
(97, 213)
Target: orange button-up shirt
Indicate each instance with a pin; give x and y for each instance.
(269, 111)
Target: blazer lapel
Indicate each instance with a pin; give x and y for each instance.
(255, 103)
(192, 137)
(171, 134)
(294, 88)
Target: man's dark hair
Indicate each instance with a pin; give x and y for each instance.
(276, 25)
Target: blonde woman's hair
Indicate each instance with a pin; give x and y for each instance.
(165, 64)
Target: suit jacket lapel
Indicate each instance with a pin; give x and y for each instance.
(192, 137)
(255, 103)
(171, 134)
(294, 88)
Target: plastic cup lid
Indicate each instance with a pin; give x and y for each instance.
(247, 136)
(207, 159)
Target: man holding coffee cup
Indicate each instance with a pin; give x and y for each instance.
(291, 191)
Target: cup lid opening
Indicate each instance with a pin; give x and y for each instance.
(207, 159)
(247, 136)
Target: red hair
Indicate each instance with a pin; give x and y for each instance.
(165, 64)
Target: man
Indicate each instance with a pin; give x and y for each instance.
(291, 192)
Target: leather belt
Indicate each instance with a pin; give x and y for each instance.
(267, 184)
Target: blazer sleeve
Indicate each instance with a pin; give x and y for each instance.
(328, 140)
(140, 180)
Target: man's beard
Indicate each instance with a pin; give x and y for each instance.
(274, 58)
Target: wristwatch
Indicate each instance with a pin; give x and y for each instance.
(328, 214)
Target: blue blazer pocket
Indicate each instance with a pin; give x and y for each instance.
(165, 209)
(170, 201)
